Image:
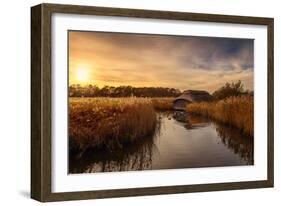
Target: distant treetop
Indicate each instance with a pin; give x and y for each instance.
(231, 89)
(121, 91)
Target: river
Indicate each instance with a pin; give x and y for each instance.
(181, 141)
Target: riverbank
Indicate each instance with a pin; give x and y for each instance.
(182, 141)
(233, 111)
(109, 122)
(162, 103)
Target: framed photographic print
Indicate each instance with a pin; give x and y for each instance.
(132, 102)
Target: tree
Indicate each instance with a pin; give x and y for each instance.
(121, 91)
(229, 89)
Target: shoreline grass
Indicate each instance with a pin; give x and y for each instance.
(233, 111)
(162, 103)
(109, 122)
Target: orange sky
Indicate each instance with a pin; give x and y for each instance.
(180, 62)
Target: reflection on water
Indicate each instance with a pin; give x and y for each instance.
(183, 141)
(132, 157)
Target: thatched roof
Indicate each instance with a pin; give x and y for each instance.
(195, 96)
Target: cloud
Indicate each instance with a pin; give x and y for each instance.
(183, 62)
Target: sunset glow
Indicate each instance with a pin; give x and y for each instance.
(138, 60)
(82, 75)
(150, 101)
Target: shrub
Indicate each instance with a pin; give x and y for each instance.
(229, 90)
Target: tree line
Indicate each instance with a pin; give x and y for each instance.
(77, 90)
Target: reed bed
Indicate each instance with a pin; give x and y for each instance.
(162, 103)
(109, 122)
(234, 111)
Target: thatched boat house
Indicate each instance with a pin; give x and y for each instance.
(190, 96)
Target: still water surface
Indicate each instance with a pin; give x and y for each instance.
(182, 141)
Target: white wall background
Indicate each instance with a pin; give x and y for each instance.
(15, 102)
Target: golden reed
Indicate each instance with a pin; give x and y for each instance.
(109, 122)
(234, 111)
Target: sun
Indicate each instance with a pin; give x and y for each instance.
(82, 75)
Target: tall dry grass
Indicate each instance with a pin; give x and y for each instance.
(234, 111)
(162, 103)
(109, 122)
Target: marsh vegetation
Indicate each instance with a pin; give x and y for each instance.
(233, 111)
(109, 122)
(181, 141)
(110, 133)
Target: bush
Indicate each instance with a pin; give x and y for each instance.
(229, 90)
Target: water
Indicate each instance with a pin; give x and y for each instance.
(182, 141)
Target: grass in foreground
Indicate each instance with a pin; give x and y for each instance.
(234, 111)
(109, 122)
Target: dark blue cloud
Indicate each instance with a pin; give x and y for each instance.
(210, 53)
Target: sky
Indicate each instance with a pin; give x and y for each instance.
(142, 60)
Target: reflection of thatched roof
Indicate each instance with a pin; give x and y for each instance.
(195, 96)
